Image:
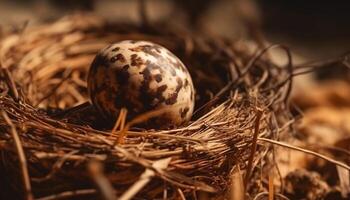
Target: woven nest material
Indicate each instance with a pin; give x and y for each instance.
(53, 145)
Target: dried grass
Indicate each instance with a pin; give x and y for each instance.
(43, 93)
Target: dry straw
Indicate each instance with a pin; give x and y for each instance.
(50, 136)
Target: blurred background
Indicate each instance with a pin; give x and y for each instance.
(312, 29)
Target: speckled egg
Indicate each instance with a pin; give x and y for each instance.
(141, 76)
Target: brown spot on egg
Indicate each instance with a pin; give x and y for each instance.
(179, 84)
(173, 72)
(178, 65)
(158, 77)
(116, 49)
(158, 48)
(118, 57)
(144, 89)
(153, 66)
(135, 60)
(161, 89)
(126, 67)
(113, 59)
(186, 83)
(183, 112)
(135, 49)
(172, 99)
(146, 76)
(151, 50)
(159, 93)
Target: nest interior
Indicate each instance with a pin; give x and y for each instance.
(52, 144)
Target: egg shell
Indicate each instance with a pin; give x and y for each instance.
(141, 76)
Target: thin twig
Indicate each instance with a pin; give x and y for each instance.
(259, 113)
(237, 190)
(120, 120)
(144, 179)
(53, 90)
(56, 167)
(11, 83)
(181, 194)
(331, 160)
(323, 63)
(139, 119)
(22, 157)
(103, 184)
(69, 194)
(271, 185)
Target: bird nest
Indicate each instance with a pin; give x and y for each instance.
(54, 145)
